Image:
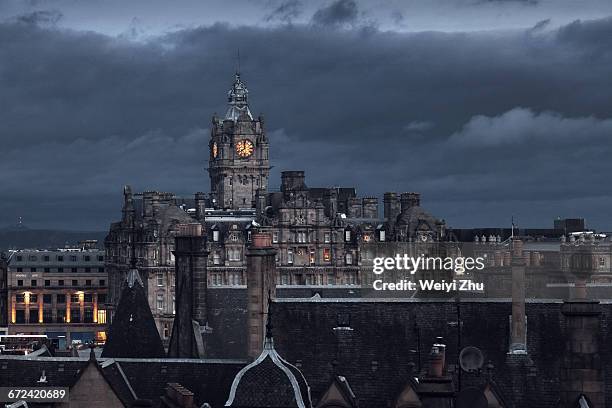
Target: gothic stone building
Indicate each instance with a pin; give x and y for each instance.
(324, 236)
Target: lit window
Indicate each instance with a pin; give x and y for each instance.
(215, 236)
(347, 235)
(382, 235)
(101, 316)
(326, 254)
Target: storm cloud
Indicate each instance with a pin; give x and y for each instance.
(487, 125)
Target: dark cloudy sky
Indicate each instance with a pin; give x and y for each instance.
(490, 108)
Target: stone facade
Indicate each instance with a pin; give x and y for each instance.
(322, 236)
(239, 163)
(59, 293)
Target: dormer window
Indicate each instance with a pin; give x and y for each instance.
(347, 235)
(381, 235)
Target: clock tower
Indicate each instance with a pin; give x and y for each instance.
(239, 163)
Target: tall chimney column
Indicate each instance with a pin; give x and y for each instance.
(518, 339)
(261, 285)
(191, 317)
(581, 368)
(200, 205)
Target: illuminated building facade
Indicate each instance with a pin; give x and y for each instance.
(58, 293)
(323, 236)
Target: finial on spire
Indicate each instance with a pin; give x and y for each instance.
(237, 98)
(269, 317)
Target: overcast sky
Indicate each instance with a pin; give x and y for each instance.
(489, 108)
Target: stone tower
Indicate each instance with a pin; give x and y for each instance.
(239, 162)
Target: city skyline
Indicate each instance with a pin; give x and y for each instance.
(487, 124)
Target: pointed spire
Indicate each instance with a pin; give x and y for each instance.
(237, 98)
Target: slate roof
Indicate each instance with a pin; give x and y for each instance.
(133, 332)
(209, 380)
(373, 343)
(227, 308)
(269, 381)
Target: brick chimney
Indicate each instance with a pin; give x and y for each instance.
(177, 396)
(261, 285)
(437, 361)
(191, 317)
(437, 385)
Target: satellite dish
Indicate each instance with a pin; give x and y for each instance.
(472, 397)
(471, 359)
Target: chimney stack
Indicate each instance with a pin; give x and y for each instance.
(391, 206)
(191, 317)
(261, 286)
(409, 200)
(518, 329)
(437, 360)
(200, 205)
(581, 368)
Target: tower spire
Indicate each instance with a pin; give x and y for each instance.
(238, 99)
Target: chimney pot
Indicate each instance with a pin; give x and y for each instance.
(261, 240)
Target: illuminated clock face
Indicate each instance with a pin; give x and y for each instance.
(215, 150)
(244, 148)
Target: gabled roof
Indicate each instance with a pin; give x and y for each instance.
(117, 384)
(339, 394)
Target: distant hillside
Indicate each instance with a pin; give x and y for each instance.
(17, 238)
